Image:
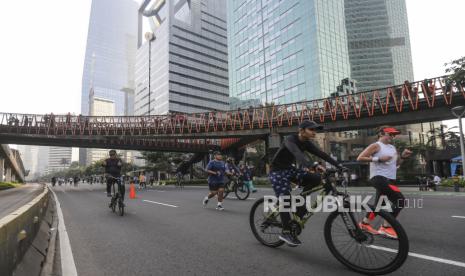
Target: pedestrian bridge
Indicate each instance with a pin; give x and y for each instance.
(422, 101)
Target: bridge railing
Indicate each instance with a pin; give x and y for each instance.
(429, 93)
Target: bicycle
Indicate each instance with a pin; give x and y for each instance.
(116, 197)
(237, 186)
(353, 247)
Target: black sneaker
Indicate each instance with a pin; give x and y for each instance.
(108, 194)
(290, 239)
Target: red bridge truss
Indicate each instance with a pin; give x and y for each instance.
(425, 100)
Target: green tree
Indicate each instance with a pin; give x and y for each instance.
(457, 69)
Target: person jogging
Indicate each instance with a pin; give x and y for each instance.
(384, 160)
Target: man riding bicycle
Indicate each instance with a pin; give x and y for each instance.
(112, 167)
(383, 158)
(283, 169)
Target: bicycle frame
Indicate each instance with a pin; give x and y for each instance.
(326, 189)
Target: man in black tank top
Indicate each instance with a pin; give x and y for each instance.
(283, 168)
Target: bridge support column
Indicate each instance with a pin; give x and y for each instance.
(8, 174)
(2, 165)
(272, 144)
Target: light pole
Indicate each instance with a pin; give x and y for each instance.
(458, 112)
(149, 36)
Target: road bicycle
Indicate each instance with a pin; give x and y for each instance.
(357, 249)
(237, 185)
(116, 197)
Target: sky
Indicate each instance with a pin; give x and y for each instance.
(43, 46)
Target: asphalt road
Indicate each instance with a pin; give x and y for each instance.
(180, 237)
(12, 199)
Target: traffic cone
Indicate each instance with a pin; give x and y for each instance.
(132, 191)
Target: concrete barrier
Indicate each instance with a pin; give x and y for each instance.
(18, 229)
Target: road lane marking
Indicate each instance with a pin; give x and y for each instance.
(458, 217)
(68, 267)
(164, 204)
(250, 198)
(421, 256)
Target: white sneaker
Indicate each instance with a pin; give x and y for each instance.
(205, 202)
(220, 208)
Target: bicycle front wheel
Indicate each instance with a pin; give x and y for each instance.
(364, 252)
(242, 191)
(226, 191)
(265, 224)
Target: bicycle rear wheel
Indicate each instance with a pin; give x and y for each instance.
(265, 224)
(242, 191)
(366, 253)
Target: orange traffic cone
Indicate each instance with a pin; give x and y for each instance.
(132, 191)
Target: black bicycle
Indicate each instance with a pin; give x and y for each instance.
(237, 185)
(116, 197)
(357, 249)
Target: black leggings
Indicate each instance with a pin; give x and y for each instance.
(110, 181)
(385, 186)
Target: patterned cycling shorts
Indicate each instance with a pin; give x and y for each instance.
(281, 180)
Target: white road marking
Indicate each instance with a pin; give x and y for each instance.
(250, 198)
(421, 256)
(68, 267)
(458, 217)
(164, 204)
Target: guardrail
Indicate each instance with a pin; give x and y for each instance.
(18, 229)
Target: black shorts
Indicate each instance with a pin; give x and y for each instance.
(215, 186)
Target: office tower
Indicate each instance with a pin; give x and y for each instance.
(286, 51)
(182, 63)
(378, 42)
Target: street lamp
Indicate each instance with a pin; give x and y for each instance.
(459, 112)
(149, 36)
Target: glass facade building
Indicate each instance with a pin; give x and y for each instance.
(286, 51)
(378, 42)
(182, 65)
(110, 53)
(110, 58)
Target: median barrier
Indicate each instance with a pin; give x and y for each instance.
(18, 230)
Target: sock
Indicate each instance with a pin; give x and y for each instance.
(220, 203)
(206, 198)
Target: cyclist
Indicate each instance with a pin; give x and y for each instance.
(231, 169)
(283, 169)
(142, 183)
(113, 168)
(216, 170)
(383, 158)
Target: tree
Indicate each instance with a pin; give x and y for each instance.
(457, 68)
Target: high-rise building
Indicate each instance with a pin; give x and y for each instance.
(378, 42)
(29, 155)
(182, 64)
(59, 158)
(100, 107)
(110, 58)
(286, 51)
